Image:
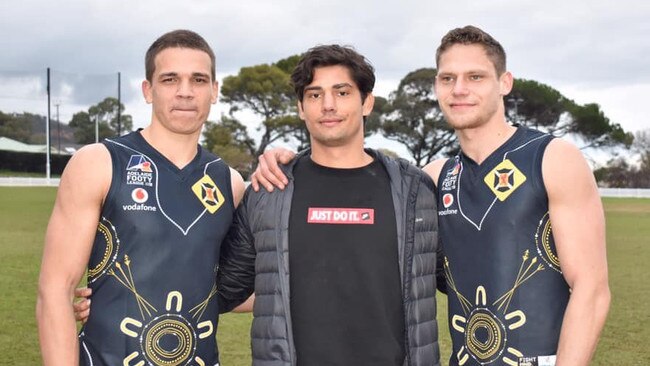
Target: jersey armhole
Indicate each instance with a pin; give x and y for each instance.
(107, 206)
(231, 198)
(539, 162)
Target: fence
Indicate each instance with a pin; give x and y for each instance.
(35, 182)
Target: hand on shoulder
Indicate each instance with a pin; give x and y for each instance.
(268, 173)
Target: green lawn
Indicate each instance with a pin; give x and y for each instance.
(24, 213)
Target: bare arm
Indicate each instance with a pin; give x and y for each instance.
(434, 168)
(68, 243)
(238, 186)
(268, 173)
(578, 225)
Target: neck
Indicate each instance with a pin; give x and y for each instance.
(342, 157)
(478, 143)
(180, 149)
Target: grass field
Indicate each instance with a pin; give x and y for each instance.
(24, 213)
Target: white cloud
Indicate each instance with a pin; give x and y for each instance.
(595, 52)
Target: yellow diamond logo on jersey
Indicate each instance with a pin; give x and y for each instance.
(504, 179)
(208, 193)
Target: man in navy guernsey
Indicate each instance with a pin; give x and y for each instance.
(521, 223)
(145, 214)
(346, 254)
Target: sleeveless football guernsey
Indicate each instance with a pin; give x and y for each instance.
(506, 292)
(153, 264)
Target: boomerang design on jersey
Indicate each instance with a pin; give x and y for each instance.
(166, 338)
(483, 323)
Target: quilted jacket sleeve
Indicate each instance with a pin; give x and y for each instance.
(236, 272)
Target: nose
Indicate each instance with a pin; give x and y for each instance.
(329, 102)
(460, 87)
(185, 89)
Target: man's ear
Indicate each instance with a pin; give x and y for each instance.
(146, 91)
(215, 92)
(506, 81)
(368, 104)
(301, 112)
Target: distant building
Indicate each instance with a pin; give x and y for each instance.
(8, 144)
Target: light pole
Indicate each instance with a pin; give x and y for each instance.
(58, 125)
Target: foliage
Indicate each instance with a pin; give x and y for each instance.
(105, 115)
(536, 105)
(619, 173)
(13, 128)
(266, 91)
(590, 123)
(229, 139)
(540, 106)
(373, 121)
(24, 127)
(84, 128)
(412, 116)
(107, 111)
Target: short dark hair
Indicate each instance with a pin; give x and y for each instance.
(360, 68)
(180, 38)
(469, 35)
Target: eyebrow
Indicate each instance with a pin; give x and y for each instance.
(342, 85)
(174, 74)
(474, 71)
(335, 86)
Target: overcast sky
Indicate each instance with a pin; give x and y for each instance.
(594, 52)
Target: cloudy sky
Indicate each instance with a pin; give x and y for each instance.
(593, 52)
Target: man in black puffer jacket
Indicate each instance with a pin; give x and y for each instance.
(343, 260)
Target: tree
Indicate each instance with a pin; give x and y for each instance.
(412, 116)
(229, 139)
(84, 128)
(536, 105)
(540, 106)
(105, 115)
(12, 127)
(266, 91)
(641, 145)
(620, 173)
(107, 111)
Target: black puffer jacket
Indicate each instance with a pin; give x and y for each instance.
(260, 230)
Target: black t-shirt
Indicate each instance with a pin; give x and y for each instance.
(346, 297)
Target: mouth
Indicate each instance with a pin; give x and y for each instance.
(330, 121)
(461, 106)
(184, 110)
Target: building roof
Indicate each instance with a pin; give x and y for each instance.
(8, 144)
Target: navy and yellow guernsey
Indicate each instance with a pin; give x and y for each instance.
(506, 292)
(153, 263)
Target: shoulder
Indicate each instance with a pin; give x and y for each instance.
(561, 153)
(434, 168)
(89, 172)
(563, 162)
(238, 186)
(93, 158)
